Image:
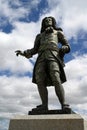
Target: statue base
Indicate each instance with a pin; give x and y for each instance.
(47, 112)
(48, 122)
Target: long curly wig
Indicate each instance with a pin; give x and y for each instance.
(43, 27)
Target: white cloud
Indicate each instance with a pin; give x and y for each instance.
(16, 9)
(4, 123)
(71, 15)
(21, 38)
(17, 95)
(77, 81)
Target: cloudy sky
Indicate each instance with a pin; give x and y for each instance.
(20, 22)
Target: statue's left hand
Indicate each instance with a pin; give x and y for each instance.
(64, 48)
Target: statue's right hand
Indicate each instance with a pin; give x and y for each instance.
(18, 52)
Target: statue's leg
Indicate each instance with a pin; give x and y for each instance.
(40, 80)
(55, 77)
(42, 89)
(59, 88)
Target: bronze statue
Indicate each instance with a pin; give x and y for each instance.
(48, 70)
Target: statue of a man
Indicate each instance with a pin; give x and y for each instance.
(48, 70)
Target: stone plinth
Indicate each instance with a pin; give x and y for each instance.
(48, 122)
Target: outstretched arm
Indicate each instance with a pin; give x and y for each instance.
(30, 52)
(18, 52)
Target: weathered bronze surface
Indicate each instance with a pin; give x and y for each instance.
(49, 67)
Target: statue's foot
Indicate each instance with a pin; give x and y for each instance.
(66, 109)
(65, 106)
(40, 108)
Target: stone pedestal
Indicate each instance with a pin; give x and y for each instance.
(48, 122)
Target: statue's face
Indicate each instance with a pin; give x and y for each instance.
(48, 22)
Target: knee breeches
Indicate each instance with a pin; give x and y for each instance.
(47, 69)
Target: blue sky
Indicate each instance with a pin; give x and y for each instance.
(20, 22)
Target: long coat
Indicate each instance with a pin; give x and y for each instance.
(59, 58)
(48, 80)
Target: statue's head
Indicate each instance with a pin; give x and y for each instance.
(48, 21)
